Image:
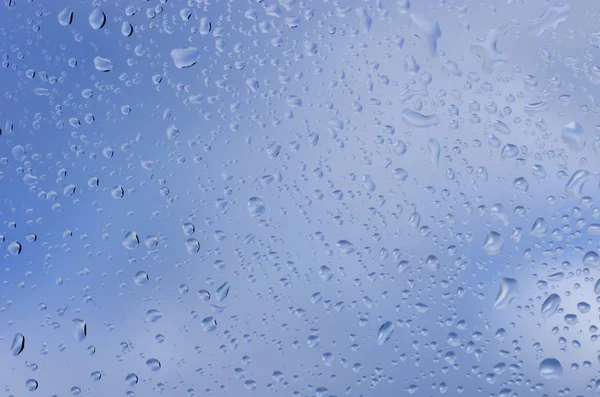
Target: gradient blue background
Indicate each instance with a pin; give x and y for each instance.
(332, 93)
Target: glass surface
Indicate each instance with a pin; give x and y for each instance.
(299, 198)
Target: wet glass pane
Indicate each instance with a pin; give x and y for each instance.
(299, 198)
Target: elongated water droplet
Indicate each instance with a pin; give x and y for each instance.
(553, 15)
(18, 344)
(385, 332)
(223, 291)
(205, 26)
(550, 305)
(80, 329)
(597, 287)
(418, 120)
(153, 316)
(575, 184)
(429, 29)
(126, 29)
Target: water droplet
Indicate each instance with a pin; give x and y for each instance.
(432, 263)
(117, 192)
(400, 174)
(65, 17)
(209, 324)
(14, 248)
(256, 207)
(126, 29)
(192, 246)
(131, 241)
(509, 290)
(205, 26)
(539, 228)
(153, 364)
(223, 291)
(103, 64)
(521, 185)
(550, 305)
(153, 316)
(591, 259)
(18, 344)
(418, 120)
(553, 15)
(31, 384)
(131, 379)
(97, 18)
(385, 332)
(141, 278)
(550, 368)
(345, 247)
(493, 243)
(486, 49)
(430, 31)
(151, 242)
(575, 184)
(204, 295)
(80, 329)
(185, 57)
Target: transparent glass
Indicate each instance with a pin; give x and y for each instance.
(296, 197)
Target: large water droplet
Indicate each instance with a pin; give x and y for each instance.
(493, 243)
(591, 259)
(80, 329)
(550, 368)
(97, 18)
(553, 15)
(418, 120)
(31, 384)
(103, 64)
(65, 17)
(509, 290)
(345, 247)
(131, 241)
(14, 248)
(192, 246)
(153, 364)
(575, 184)
(185, 57)
(141, 278)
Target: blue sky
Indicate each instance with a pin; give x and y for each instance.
(302, 104)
